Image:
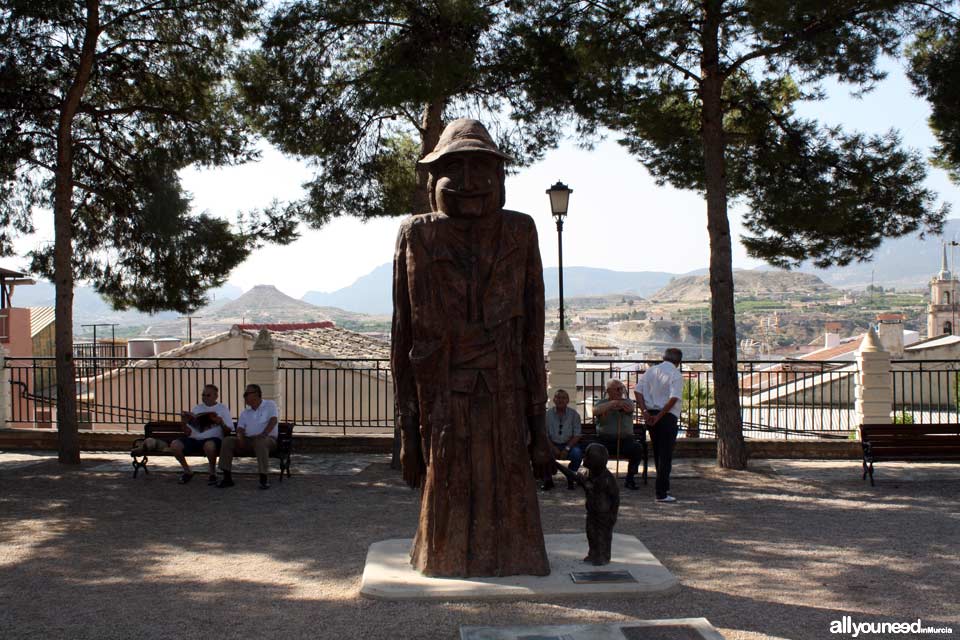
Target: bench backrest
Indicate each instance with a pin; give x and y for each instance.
(169, 431)
(589, 429)
(875, 432)
(918, 441)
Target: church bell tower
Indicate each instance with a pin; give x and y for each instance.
(942, 311)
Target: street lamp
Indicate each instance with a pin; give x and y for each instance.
(559, 199)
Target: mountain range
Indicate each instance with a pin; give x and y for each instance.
(373, 292)
(903, 263)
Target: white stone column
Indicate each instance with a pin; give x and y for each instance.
(874, 391)
(263, 369)
(562, 370)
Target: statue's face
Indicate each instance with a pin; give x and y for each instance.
(468, 185)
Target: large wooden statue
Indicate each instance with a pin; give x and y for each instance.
(467, 361)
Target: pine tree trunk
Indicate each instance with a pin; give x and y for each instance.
(69, 441)
(731, 451)
(431, 126)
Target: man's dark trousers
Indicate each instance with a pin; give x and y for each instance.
(663, 436)
(627, 447)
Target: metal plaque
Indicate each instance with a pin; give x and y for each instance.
(662, 632)
(597, 577)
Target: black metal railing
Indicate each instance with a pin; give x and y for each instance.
(779, 399)
(121, 397)
(338, 394)
(925, 391)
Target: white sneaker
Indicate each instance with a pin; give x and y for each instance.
(669, 498)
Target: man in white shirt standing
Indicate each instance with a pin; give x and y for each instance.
(203, 430)
(256, 432)
(658, 395)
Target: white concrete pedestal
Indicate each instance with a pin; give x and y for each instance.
(389, 576)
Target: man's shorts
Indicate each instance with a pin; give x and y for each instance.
(194, 447)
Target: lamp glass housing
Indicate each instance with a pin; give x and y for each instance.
(559, 199)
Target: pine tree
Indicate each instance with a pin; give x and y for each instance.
(102, 102)
(363, 89)
(704, 94)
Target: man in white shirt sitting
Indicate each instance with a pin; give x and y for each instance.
(256, 432)
(203, 430)
(658, 395)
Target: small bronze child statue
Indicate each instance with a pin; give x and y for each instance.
(603, 501)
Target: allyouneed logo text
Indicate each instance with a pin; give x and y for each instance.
(847, 626)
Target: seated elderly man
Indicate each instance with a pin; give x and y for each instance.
(256, 432)
(614, 420)
(563, 430)
(203, 429)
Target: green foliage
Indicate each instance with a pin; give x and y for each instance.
(812, 192)
(696, 398)
(349, 84)
(934, 69)
(158, 100)
(903, 418)
(758, 305)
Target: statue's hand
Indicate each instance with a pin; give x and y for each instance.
(411, 456)
(541, 449)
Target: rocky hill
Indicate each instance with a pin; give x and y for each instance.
(774, 285)
(261, 304)
(266, 303)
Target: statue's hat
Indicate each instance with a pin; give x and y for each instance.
(464, 136)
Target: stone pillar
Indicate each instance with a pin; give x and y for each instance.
(874, 390)
(263, 369)
(562, 371)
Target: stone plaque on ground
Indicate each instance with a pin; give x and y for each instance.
(665, 632)
(594, 577)
(675, 629)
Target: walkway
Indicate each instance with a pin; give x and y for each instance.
(778, 552)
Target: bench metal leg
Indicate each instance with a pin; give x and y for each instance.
(871, 474)
(138, 465)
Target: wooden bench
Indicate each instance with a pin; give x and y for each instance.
(169, 431)
(588, 434)
(908, 442)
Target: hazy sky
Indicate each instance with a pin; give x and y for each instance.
(618, 217)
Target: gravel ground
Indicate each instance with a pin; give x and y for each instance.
(778, 552)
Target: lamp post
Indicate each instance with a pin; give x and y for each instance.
(559, 200)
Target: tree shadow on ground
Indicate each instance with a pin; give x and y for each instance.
(87, 554)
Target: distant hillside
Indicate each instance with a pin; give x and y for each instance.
(758, 283)
(263, 304)
(373, 293)
(89, 307)
(904, 263)
(266, 303)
